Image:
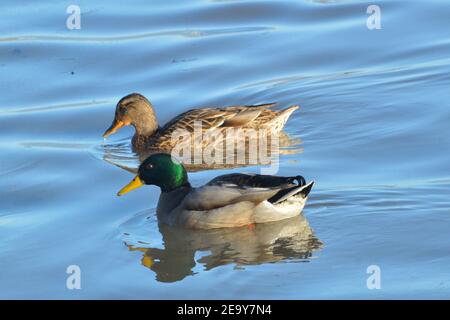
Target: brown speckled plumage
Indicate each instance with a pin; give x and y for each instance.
(136, 110)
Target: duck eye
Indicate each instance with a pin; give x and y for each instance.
(150, 166)
(122, 111)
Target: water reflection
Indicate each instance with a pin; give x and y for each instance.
(286, 240)
(120, 154)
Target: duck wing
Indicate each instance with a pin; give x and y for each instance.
(233, 200)
(243, 115)
(212, 197)
(234, 116)
(256, 185)
(237, 187)
(218, 206)
(210, 118)
(256, 180)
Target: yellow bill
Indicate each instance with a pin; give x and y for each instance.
(134, 184)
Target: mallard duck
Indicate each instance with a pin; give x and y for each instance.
(230, 200)
(134, 109)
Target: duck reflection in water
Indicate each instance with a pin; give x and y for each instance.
(119, 154)
(289, 240)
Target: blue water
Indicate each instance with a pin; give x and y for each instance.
(373, 124)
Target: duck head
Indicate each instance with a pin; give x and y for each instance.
(134, 109)
(159, 169)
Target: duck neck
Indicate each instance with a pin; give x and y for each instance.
(184, 187)
(172, 199)
(178, 181)
(146, 124)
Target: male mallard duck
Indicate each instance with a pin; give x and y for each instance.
(134, 109)
(230, 200)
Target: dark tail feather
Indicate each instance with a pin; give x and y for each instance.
(264, 105)
(301, 181)
(285, 194)
(305, 191)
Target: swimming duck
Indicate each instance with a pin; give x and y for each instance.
(134, 109)
(230, 200)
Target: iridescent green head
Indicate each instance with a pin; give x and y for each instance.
(159, 169)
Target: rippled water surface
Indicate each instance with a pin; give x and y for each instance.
(373, 124)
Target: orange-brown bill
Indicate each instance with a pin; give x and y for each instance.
(116, 125)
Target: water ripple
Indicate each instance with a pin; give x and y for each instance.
(55, 107)
(355, 73)
(176, 33)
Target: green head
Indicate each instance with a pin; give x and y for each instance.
(159, 169)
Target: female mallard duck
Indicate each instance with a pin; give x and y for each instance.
(230, 200)
(134, 109)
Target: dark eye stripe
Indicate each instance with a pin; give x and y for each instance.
(128, 105)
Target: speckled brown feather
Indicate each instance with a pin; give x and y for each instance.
(215, 118)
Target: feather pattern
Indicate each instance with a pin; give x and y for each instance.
(228, 128)
(219, 119)
(235, 200)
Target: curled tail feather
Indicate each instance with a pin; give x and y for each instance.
(302, 189)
